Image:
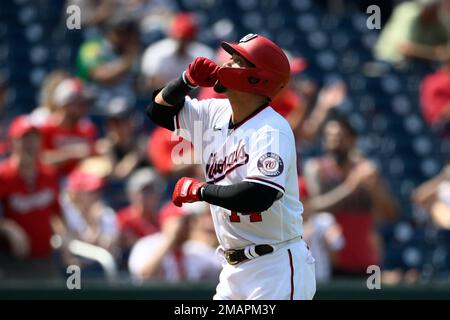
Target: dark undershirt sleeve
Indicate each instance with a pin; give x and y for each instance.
(163, 115)
(174, 94)
(243, 197)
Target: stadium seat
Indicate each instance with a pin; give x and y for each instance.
(413, 124)
(34, 33)
(401, 104)
(430, 167)
(412, 257)
(37, 76)
(247, 5)
(307, 22)
(253, 20)
(301, 5)
(391, 84)
(326, 60)
(27, 14)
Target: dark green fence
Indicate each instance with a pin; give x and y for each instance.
(125, 290)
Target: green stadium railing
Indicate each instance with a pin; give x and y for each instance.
(342, 289)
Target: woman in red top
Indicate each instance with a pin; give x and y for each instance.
(348, 185)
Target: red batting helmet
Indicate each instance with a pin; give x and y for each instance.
(271, 69)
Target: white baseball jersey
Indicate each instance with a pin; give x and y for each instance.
(260, 149)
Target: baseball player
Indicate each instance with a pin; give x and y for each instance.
(248, 156)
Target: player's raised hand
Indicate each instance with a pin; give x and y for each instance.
(202, 72)
(186, 190)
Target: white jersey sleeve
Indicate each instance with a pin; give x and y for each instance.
(270, 153)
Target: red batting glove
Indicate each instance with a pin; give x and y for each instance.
(202, 72)
(186, 190)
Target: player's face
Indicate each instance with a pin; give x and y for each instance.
(235, 61)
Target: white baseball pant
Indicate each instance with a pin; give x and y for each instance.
(286, 274)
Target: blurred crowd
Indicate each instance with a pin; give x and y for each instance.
(85, 179)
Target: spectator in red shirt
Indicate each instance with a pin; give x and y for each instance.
(144, 189)
(29, 197)
(68, 136)
(348, 185)
(435, 97)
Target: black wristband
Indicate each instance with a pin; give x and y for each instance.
(175, 91)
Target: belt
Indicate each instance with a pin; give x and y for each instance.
(235, 256)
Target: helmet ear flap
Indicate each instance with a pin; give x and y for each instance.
(258, 77)
(253, 80)
(249, 80)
